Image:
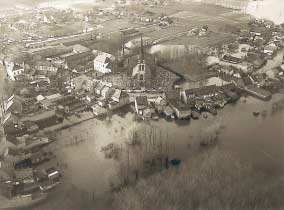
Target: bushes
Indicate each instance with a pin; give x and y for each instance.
(213, 180)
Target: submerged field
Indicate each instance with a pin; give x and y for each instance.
(88, 174)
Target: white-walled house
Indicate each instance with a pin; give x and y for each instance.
(270, 49)
(14, 70)
(46, 66)
(117, 95)
(103, 63)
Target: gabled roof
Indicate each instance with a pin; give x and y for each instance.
(117, 93)
(231, 59)
(179, 105)
(174, 94)
(71, 56)
(202, 90)
(271, 47)
(103, 58)
(141, 101)
(24, 174)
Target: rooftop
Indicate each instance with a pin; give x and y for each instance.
(141, 100)
(179, 105)
(201, 90)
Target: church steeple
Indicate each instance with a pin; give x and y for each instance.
(141, 49)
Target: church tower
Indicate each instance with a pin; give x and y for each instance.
(141, 73)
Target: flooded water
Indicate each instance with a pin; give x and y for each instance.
(268, 9)
(255, 140)
(87, 174)
(258, 141)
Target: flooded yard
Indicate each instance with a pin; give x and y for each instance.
(88, 173)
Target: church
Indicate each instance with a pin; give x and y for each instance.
(140, 71)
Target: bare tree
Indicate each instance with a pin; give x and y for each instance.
(212, 180)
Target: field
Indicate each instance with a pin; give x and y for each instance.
(211, 39)
(221, 21)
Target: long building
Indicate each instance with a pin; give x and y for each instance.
(60, 40)
(257, 92)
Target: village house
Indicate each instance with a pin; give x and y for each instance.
(49, 101)
(189, 95)
(98, 110)
(101, 101)
(14, 68)
(270, 49)
(79, 62)
(169, 112)
(117, 95)
(46, 66)
(98, 88)
(82, 83)
(119, 99)
(24, 175)
(103, 63)
(141, 104)
(106, 92)
(231, 59)
(181, 110)
(236, 63)
(258, 92)
(50, 52)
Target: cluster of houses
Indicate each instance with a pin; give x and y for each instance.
(254, 46)
(25, 179)
(46, 61)
(252, 49)
(187, 103)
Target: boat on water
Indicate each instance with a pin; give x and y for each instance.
(22, 201)
(256, 113)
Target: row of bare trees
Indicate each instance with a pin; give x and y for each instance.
(211, 180)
